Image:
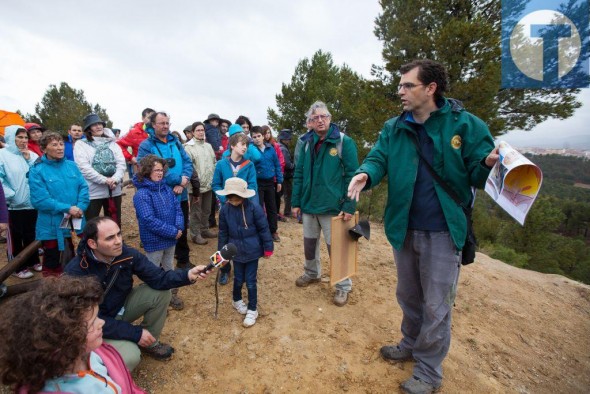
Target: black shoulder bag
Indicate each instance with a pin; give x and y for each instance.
(468, 252)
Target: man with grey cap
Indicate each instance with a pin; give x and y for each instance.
(212, 134)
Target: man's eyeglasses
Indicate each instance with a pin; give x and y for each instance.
(163, 123)
(318, 117)
(408, 86)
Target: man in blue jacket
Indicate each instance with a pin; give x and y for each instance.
(179, 171)
(75, 133)
(102, 254)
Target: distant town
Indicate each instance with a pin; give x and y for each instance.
(584, 154)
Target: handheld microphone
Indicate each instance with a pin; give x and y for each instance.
(221, 257)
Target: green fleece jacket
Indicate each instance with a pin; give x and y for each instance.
(462, 141)
(320, 181)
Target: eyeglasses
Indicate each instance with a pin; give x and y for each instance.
(163, 123)
(408, 86)
(318, 117)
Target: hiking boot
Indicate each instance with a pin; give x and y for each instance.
(304, 281)
(38, 267)
(275, 237)
(240, 307)
(223, 278)
(199, 240)
(175, 302)
(208, 234)
(395, 353)
(340, 298)
(250, 319)
(160, 351)
(24, 274)
(416, 385)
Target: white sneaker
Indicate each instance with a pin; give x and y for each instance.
(240, 306)
(38, 267)
(24, 274)
(250, 319)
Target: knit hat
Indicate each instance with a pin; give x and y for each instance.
(236, 186)
(212, 117)
(285, 135)
(235, 128)
(91, 119)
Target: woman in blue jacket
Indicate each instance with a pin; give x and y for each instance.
(159, 216)
(58, 191)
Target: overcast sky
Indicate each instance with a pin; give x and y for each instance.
(189, 58)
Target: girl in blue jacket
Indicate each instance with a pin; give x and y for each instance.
(244, 224)
(159, 216)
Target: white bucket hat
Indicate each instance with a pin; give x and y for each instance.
(236, 186)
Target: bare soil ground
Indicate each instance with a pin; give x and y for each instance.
(513, 330)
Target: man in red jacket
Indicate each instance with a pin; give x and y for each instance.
(133, 138)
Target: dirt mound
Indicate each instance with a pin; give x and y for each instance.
(513, 330)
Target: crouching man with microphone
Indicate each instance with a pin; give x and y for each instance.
(102, 254)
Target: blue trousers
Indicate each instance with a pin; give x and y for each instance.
(246, 272)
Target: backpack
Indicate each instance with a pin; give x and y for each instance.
(104, 159)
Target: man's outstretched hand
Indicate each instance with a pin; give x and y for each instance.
(356, 186)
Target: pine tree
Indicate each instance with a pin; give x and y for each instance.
(63, 106)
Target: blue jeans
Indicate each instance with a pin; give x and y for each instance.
(246, 272)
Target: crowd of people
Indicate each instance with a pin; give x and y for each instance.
(56, 188)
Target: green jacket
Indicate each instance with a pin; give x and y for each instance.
(462, 141)
(320, 182)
